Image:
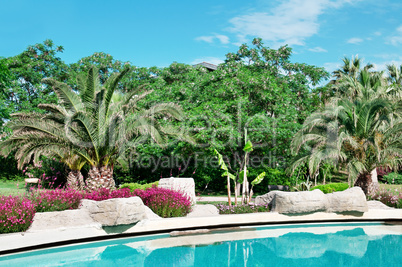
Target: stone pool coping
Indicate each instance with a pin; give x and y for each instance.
(16, 242)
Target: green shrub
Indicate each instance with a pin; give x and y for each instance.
(134, 186)
(240, 209)
(393, 178)
(330, 188)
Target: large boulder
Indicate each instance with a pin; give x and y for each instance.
(62, 219)
(265, 199)
(299, 202)
(115, 211)
(350, 200)
(184, 185)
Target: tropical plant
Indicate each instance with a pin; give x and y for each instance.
(358, 131)
(351, 68)
(246, 192)
(228, 175)
(395, 74)
(94, 124)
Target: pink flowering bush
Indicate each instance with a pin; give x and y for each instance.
(16, 214)
(164, 202)
(391, 198)
(55, 200)
(103, 194)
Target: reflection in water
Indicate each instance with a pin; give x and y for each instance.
(342, 248)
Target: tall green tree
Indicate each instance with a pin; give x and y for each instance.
(28, 70)
(6, 79)
(257, 88)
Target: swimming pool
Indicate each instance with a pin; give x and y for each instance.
(314, 244)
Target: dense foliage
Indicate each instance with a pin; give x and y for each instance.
(358, 130)
(330, 188)
(134, 186)
(393, 178)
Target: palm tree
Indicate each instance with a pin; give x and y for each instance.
(351, 67)
(355, 133)
(395, 74)
(95, 126)
(36, 135)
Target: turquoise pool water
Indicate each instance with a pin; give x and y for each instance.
(368, 244)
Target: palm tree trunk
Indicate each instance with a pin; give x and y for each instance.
(364, 181)
(100, 178)
(75, 180)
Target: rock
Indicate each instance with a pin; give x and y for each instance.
(62, 219)
(265, 199)
(375, 204)
(150, 215)
(299, 202)
(203, 211)
(183, 185)
(115, 211)
(350, 200)
(278, 187)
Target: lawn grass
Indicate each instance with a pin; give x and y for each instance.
(391, 187)
(8, 187)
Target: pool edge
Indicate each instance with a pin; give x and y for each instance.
(19, 242)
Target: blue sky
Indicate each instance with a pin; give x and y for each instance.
(157, 33)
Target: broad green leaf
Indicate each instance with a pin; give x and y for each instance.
(248, 147)
(259, 179)
(231, 176)
(221, 162)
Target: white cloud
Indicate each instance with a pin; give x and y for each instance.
(377, 33)
(355, 40)
(397, 39)
(318, 49)
(291, 22)
(210, 39)
(223, 38)
(212, 60)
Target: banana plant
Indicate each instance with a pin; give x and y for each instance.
(248, 147)
(257, 180)
(229, 176)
